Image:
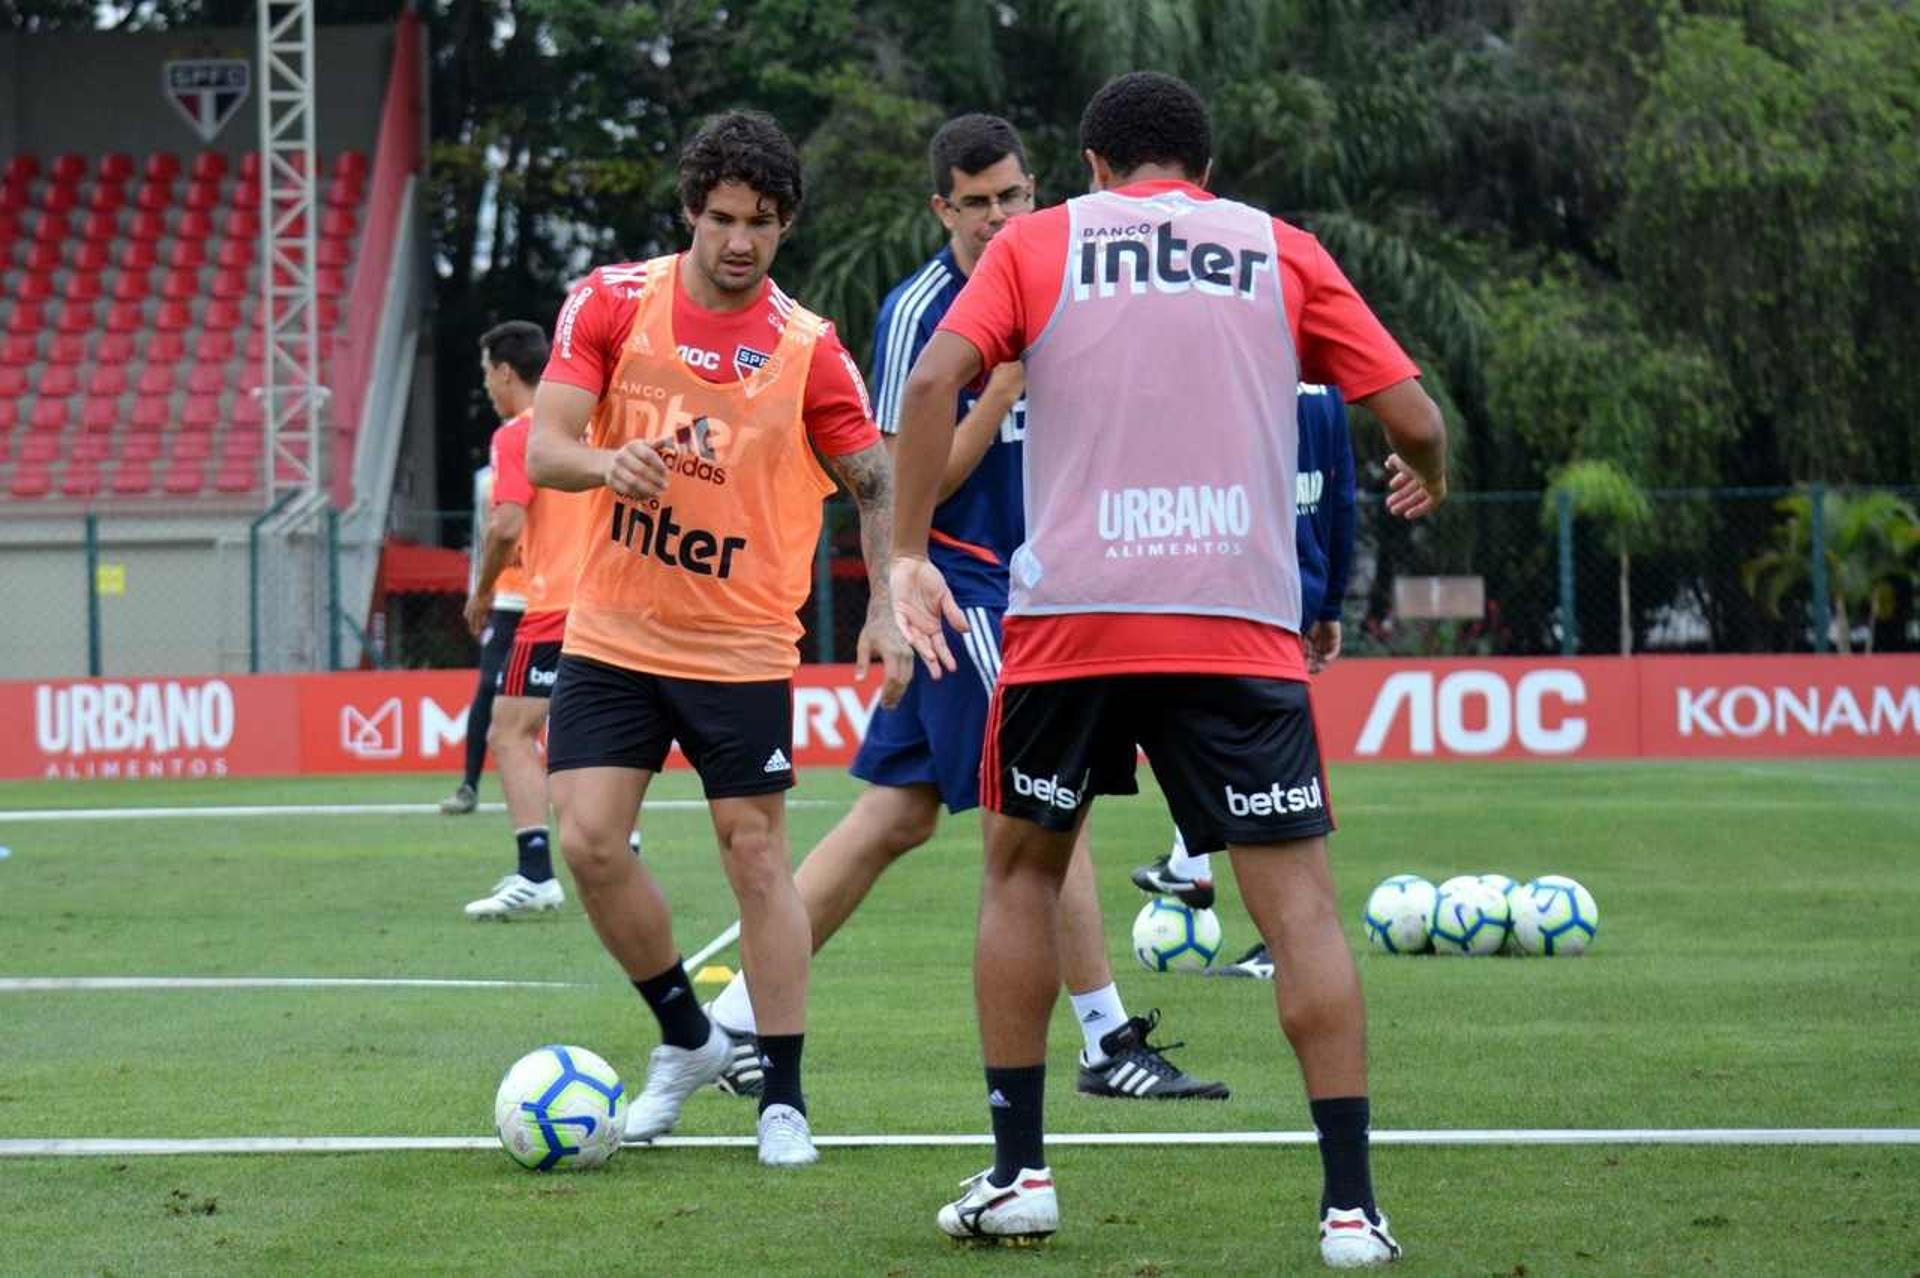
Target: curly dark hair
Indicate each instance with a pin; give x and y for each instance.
(971, 144)
(1148, 117)
(745, 147)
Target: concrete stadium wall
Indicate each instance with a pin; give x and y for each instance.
(96, 92)
(176, 595)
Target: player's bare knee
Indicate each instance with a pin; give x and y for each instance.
(594, 850)
(757, 866)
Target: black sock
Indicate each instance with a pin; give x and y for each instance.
(1014, 1099)
(1342, 1124)
(780, 1060)
(670, 995)
(479, 718)
(536, 854)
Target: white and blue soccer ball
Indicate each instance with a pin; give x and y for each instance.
(1470, 917)
(1169, 936)
(1506, 887)
(560, 1108)
(1399, 914)
(1554, 916)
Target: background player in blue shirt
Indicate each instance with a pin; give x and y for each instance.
(1324, 495)
(926, 750)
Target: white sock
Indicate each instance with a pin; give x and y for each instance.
(1185, 864)
(1099, 1012)
(733, 1008)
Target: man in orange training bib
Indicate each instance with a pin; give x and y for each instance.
(703, 393)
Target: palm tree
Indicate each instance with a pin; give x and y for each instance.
(1867, 540)
(1601, 491)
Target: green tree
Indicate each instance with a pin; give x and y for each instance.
(1602, 493)
(1868, 542)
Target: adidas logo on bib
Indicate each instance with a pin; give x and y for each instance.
(777, 762)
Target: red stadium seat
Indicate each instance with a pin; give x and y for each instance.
(243, 443)
(154, 197)
(84, 286)
(242, 224)
(107, 197)
(42, 257)
(52, 228)
(40, 448)
(67, 348)
(186, 478)
(230, 284)
(161, 166)
(27, 317)
(193, 443)
(200, 412)
(9, 415)
(235, 255)
(139, 255)
(344, 193)
(125, 317)
(133, 479)
(58, 381)
(236, 479)
(206, 379)
(334, 253)
(196, 224)
(68, 168)
(213, 348)
(17, 350)
(155, 379)
(180, 285)
(352, 164)
(77, 317)
(166, 348)
(202, 196)
(328, 282)
(115, 166)
(114, 348)
(29, 482)
(49, 415)
(208, 166)
(100, 415)
(329, 315)
(142, 447)
(151, 414)
(60, 199)
(13, 382)
(187, 254)
(91, 254)
(173, 317)
(23, 167)
(108, 380)
(223, 315)
(12, 205)
(248, 410)
(88, 448)
(82, 478)
(339, 224)
(246, 195)
(250, 166)
(132, 286)
(146, 225)
(35, 286)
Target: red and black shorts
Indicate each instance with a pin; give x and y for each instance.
(738, 736)
(1236, 756)
(531, 669)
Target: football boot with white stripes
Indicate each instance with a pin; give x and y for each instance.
(1021, 1214)
(517, 897)
(1158, 879)
(1138, 1070)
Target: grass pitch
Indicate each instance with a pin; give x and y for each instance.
(1756, 967)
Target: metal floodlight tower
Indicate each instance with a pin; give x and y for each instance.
(294, 400)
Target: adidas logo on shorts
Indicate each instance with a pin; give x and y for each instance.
(777, 762)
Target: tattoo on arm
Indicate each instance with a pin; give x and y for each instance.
(868, 475)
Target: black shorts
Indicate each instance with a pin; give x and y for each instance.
(530, 671)
(496, 642)
(738, 736)
(1236, 756)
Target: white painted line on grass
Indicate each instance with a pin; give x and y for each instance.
(29, 815)
(34, 984)
(94, 1147)
(728, 935)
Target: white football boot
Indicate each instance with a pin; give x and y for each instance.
(1348, 1240)
(673, 1074)
(1021, 1214)
(516, 897)
(785, 1138)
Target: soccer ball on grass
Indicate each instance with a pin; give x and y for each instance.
(1399, 913)
(1470, 917)
(1169, 936)
(560, 1108)
(1554, 916)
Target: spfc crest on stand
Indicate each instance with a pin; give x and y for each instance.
(207, 91)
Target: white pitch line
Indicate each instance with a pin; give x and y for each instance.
(29, 815)
(728, 935)
(38, 984)
(98, 1147)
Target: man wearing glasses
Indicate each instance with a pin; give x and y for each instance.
(926, 750)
